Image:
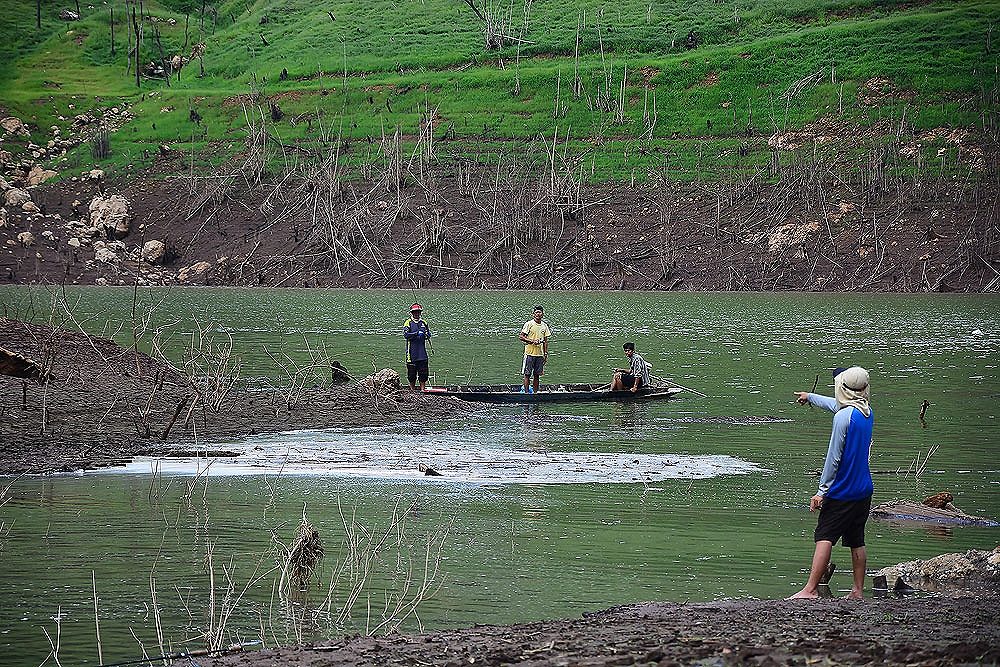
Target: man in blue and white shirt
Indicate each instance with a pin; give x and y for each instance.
(844, 496)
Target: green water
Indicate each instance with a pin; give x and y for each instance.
(513, 551)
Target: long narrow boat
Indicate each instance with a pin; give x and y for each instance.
(551, 393)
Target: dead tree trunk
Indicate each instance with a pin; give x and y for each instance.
(138, 44)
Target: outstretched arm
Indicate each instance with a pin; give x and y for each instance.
(818, 400)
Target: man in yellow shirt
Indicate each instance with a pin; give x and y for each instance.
(535, 335)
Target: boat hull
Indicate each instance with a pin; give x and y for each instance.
(562, 393)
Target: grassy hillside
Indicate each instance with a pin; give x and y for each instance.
(628, 85)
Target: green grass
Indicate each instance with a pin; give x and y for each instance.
(403, 57)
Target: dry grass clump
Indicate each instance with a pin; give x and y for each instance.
(303, 557)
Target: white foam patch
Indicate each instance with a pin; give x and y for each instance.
(369, 456)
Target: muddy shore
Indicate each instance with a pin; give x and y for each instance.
(106, 404)
(908, 631)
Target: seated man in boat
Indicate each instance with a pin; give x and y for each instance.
(635, 376)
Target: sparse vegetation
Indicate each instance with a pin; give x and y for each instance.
(364, 68)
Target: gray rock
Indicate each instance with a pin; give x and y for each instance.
(384, 382)
(12, 125)
(974, 566)
(112, 213)
(193, 271)
(105, 256)
(37, 175)
(16, 197)
(153, 251)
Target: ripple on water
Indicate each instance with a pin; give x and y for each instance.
(459, 457)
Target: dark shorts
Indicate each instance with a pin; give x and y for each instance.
(843, 519)
(533, 366)
(628, 380)
(415, 368)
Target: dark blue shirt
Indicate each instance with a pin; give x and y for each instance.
(416, 333)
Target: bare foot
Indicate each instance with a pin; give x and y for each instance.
(855, 595)
(803, 594)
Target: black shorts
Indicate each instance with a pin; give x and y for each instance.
(415, 368)
(628, 380)
(533, 366)
(843, 519)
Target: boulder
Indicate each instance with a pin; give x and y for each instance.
(16, 197)
(6, 159)
(789, 236)
(384, 382)
(105, 256)
(153, 251)
(111, 213)
(974, 566)
(4, 185)
(193, 271)
(96, 174)
(73, 242)
(26, 239)
(12, 125)
(37, 175)
(30, 207)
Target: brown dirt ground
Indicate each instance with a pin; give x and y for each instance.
(810, 231)
(910, 631)
(108, 404)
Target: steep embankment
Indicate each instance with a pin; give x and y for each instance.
(849, 144)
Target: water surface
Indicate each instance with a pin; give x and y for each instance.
(541, 512)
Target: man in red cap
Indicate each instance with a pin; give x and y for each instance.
(417, 333)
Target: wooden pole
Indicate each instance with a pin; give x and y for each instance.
(177, 412)
(138, 43)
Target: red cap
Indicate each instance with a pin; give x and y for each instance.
(416, 306)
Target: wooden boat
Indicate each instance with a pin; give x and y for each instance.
(551, 393)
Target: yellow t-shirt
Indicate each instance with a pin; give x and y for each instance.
(535, 331)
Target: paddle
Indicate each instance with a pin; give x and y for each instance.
(669, 381)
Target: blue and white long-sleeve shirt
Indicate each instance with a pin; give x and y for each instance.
(846, 475)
